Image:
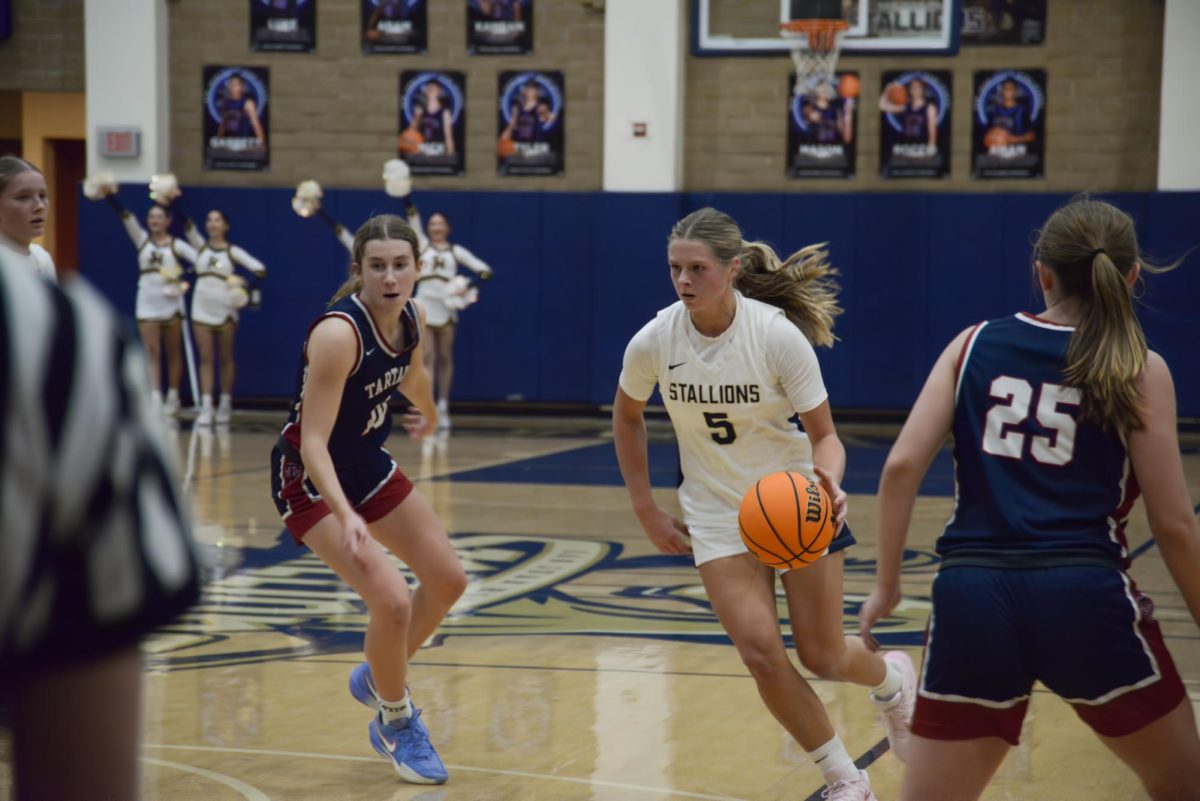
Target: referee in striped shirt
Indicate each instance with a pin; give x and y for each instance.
(95, 549)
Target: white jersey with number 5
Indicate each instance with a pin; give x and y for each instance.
(734, 402)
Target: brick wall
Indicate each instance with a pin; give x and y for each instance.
(334, 111)
(1103, 60)
(45, 53)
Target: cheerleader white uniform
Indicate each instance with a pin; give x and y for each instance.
(438, 266)
(733, 401)
(35, 258)
(212, 300)
(160, 271)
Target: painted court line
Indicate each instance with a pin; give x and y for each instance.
(465, 768)
(248, 792)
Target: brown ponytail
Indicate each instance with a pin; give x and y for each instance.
(802, 286)
(1091, 248)
(382, 226)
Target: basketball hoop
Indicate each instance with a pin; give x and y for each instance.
(815, 44)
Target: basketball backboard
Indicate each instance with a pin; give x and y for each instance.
(751, 27)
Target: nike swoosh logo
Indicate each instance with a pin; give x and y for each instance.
(368, 353)
(677, 364)
(391, 744)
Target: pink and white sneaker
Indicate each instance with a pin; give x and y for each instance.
(897, 712)
(853, 790)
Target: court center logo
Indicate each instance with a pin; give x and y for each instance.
(284, 602)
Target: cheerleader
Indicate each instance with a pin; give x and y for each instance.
(159, 307)
(215, 302)
(441, 291)
(24, 206)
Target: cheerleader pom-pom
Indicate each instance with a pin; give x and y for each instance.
(239, 298)
(164, 188)
(307, 200)
(460, 293)
(99, 186)
(172, 290)
(397, 178)
(171, 272)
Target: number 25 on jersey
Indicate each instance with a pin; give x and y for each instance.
(1018, 398)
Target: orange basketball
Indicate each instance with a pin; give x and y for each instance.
(505, 147)
(896, 94)
(848, 85)
(786, 520)
(995, 137)
(411, 141)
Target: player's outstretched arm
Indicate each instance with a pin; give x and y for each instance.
(922, 437)
(1154, 453)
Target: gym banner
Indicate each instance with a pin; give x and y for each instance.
(914, 130)
(1008, 132)
(394, 26)
(823, 130)
(236, 118)
(1003, 22)
(530, 121)
(499, 26)
(432, 122)
(283, 26)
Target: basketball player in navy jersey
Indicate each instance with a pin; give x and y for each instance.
(239, 113)
(1011, 116)
(433, 118)
(343, 496)
(918, 116)
(718, 336)
(830, 120)
(529, 116)
(1058, 419)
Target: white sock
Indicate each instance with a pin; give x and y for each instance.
(395, 711)
(156, 397)
(206, 402)
(892, 683)
(226, 401)
(172, 396)
(833, 761)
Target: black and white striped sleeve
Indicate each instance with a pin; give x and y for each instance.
(95, 547)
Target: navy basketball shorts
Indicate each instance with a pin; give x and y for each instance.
(1086, 633)
(374, 488)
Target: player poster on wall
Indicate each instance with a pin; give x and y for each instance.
(283, 26)
(823, 129)
(432, 122)
(499, 26)
(530, 122)
(236, 118)
(1008, 132)
(915, 127)
(1007, 22)
(394, 26)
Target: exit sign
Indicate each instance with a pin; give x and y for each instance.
(119, 143)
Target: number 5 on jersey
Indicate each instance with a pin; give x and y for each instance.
(1016, 396)
(722, 428)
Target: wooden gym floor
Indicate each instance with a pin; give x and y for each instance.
(580, 665)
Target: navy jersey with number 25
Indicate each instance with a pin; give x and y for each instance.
(1034, 483)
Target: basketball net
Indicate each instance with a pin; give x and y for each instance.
(815, 44)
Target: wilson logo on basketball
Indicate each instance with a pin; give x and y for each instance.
(813, 509)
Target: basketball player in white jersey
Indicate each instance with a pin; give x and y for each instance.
(215, 310)
(440, 261)
(741, 383)
(24, 206)
(159, 308)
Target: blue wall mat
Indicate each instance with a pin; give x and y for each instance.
(577, 274)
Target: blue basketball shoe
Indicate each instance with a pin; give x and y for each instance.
(406, 744)
(362, 687)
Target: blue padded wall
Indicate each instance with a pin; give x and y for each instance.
(578, 273)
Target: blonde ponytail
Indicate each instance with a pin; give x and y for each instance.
(802, 286)
(1091, 248)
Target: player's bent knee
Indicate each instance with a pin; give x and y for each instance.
(394, 611)
(765, 663)
(823, 663)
